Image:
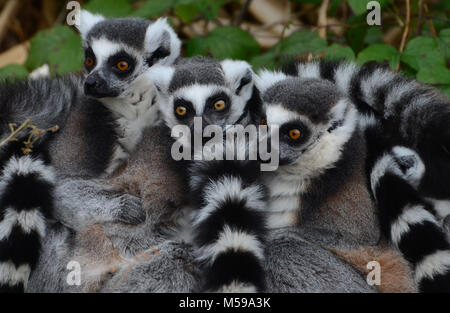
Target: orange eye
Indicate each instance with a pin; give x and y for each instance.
(294, 134)
(181, 110)
(89, 61)
(219, 105)
(263, 122)
(122, 65)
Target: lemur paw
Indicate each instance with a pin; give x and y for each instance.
(129, 210)
(446, 224)
(410, 164)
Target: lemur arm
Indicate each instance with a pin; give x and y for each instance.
(82, 202)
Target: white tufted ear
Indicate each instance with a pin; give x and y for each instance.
(239, 76)
(161, 43)
(161, 76)
(87, 21)
(266, 79)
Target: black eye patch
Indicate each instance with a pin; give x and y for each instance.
(121, 56)
(217, 97)
(159, 54)
(186, 104)
(305, 133)
(89, 53)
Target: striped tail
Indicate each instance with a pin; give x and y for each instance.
(417, 114)
(26, 202)
(406, 218)
(229, 224)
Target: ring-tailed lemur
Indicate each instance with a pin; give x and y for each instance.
(323, 155)
(227, 196)
(418, 116)
(406, 218)
(100, 115)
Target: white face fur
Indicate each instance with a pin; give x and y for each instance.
(221, 102)
(115, 62)
(315, 121)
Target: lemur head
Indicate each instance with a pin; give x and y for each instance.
(315, 120)
(221, 93)
(119, 51)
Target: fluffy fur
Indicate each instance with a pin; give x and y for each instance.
(321, 184)
(228, 203)
(100, 116)
(406, 218)
(26, 202)
(416, 115)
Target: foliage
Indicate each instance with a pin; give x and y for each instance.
(224, 33)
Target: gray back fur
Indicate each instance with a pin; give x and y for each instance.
(116, 257)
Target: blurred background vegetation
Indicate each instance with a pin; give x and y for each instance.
(414, 37)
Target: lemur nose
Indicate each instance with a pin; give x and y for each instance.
(90, 82)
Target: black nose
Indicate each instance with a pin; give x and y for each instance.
(96, 86)
(91, 82)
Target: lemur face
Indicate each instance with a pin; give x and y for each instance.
(217, 92)
(119, 51)
(309, 113)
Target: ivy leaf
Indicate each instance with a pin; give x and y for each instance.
(434, 75)
(59, 47)
(110, 8)
(379, 52)
(337, 51)
(13, 72)
(297, 44)
(422, 52)
(224, 42)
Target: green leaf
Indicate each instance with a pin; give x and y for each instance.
(224, 42)
(444, 42)
(379, 52)
(12, 72)
(153, 8)
(434, 75)
(422, 52)
(187, 12)
(297, 44)
(110, 8)
(59, 47)
(374, 35)
(360, 6)
(357, 32)
(445, 90)
(337, 51)
(209, 8)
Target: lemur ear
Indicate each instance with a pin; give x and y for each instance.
(161, 76)
(266, 79)
(161, 44)
(239, 76)
(87, 21)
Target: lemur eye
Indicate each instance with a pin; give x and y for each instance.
(123, 65)
(181, 110)
(263, 122)
(294, 134)
(219, 105)
(89, 61)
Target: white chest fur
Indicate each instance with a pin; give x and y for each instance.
(133, 114)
